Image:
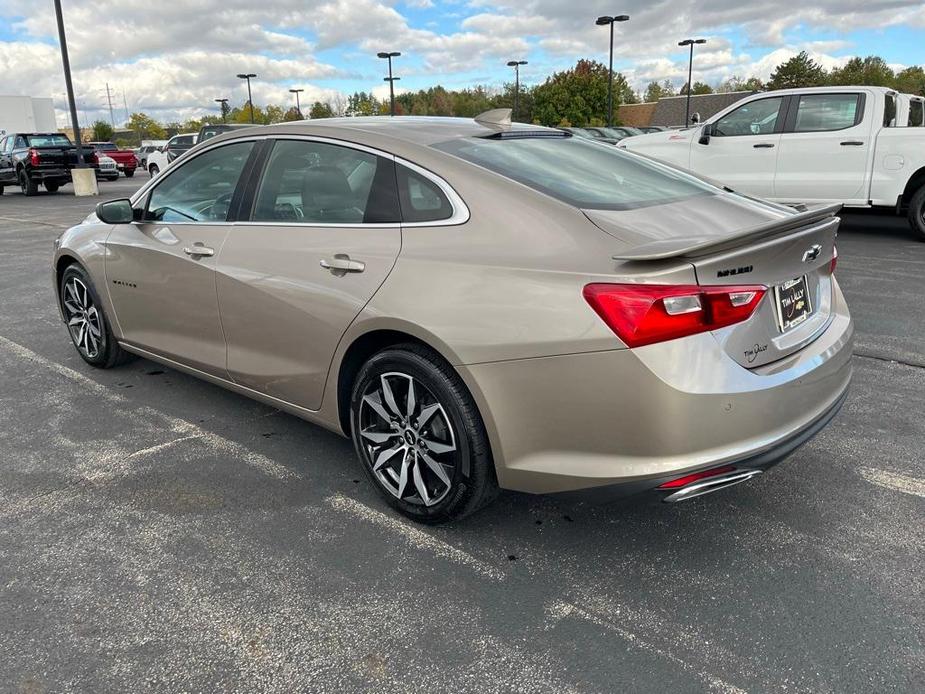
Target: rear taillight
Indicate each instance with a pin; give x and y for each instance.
(834, 260)
(34, 157)
(96, 158)
(641, 314)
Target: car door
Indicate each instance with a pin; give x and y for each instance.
(322, 236)
(160, 270)
(742, 149)
(825, 149)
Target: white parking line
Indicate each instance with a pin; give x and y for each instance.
(414, 537)
(175, 424)
(893, 481)
(559, 610)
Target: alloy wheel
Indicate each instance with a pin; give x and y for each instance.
(83, 318)
(408, 439)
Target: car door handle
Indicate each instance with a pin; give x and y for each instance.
(199, 250)
(342, 263)
(763, 145)
(852, 143)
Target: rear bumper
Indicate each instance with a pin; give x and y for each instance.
(42, 174)
(637, 418)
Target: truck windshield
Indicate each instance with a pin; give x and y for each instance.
(578, 172)
(51, 140)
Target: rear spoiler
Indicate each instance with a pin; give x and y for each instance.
(674, 248)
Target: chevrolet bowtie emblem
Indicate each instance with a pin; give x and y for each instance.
(812, 253)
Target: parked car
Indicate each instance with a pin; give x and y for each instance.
(597, 134)
(652, 128)
(478, 304)
(107, 168)
(178, 144)
(814, 145)
(147, 147)
(34, 159)
(616, 132)
(124, 158)
(207, 132)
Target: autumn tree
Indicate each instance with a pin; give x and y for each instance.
(146, 127)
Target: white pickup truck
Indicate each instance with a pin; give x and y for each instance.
(859, 146)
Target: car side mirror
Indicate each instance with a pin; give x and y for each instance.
(116, 211)
(695, 118)
(705, 134)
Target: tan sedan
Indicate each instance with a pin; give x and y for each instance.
(479, 305)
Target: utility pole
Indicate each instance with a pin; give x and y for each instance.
(72, 105)
(391, 80)
(125, 105)
(516, 65)
(604, 21)
(112, 118)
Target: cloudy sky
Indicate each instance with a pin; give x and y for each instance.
(172, 59)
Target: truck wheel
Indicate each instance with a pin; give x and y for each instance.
(129, 173)
(29, 187)
(52, 186)
(153, 170)
(917, 214)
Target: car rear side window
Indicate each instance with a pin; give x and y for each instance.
(889, 111)
(421, 199)
(580, 172)
(821, 112)
(308, 182)
(201, 189)
(916, 113)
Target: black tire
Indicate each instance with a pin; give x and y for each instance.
(103, 352)
(28, 186)
(52, 186)
(468, 467)
(917, 214)
(129, 173)
(153, 170)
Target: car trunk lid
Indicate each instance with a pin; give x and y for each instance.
(741, 241)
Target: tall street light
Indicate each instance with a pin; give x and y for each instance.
(603, 21)
(690, 71)
(223, 105)
(72, 105)
(247, 76)
(516, 65)
(298, 107)
(390, 79)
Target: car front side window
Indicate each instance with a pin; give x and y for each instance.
(201, 189)
(754, 118)
(307, 182)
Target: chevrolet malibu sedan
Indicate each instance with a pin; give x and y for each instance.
(479, 305)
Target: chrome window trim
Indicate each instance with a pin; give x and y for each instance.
(459, 216)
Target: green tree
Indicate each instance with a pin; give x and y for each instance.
(655, 91)
(361, 104)
(146, 127)
(871, 71)
(102, 131)
(576, 95)
(292, 115)
(910, 81)
(320, 109)
(737, 84)
(799, 71)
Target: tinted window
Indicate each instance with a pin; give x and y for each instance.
(52, 140)
(818, 112)
(421, 199)
(754, 118)
(200, 190)
(21, 141)
(319, 183)
(889, 111)
(105, 147)
(579, 172)
(183, 140)
(916, 113)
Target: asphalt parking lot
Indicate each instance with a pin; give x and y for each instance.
(158, 533)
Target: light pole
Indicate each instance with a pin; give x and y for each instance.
(603, 21)
(690, 71)
(390, 79)
(516, 65)
(247, 76)
(298, 107)
(223, 104)
(72, 105)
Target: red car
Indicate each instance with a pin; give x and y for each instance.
(124, 158)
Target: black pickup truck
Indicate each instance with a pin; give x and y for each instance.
(30, 159)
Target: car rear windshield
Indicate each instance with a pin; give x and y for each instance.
(106, 147)
(51, 140)
(579, 172)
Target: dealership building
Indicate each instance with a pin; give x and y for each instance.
(26, 114)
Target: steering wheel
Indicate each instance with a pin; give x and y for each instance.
(218, 210)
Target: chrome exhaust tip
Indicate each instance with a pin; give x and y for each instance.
(708, 485)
